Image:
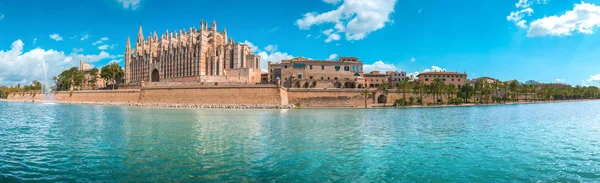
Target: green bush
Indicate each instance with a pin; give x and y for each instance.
(455, 101)
(411, 100)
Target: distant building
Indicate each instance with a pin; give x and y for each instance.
(264, 78)
(86, 69)
(488, 80)
(374, 79)
(396, 77)
(455, 78)
(346, 72)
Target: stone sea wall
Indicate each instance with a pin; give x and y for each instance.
(235, 96)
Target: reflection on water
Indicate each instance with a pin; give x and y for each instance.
(542, 142)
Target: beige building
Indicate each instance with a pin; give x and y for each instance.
(194, 55)
(455, 78)
(343, 73)
(86, 69)
(374, 79)
(396, 77)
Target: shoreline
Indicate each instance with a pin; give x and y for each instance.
(289, 106)
(380, 106)
(184, 106)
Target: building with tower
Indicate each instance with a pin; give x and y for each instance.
(194, 55)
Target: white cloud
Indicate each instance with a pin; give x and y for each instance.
(332, 37)
(332, 57)
(77, 50)
(34, 40)
(435, 69)
(559, 80)
(269, 54)
(307, 36)
(357, 18)
(85, 37)
(414, 74)
(328, 31)
(517, 17)
(582, 19)
(527, 3)
(20, 67)
(273, 57)
(413, 59)
(100, 41)
(420, 10)
(116, 61)
(334, 2)
(379, 66)
(134, 4)
(594, 78)
(56, 37)
(271, 48)
(1, 16)
(250, 45)
(103, 47)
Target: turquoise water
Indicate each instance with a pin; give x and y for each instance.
(522, 143)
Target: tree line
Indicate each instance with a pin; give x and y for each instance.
(75, 78)
(483, 92)
(31, 88)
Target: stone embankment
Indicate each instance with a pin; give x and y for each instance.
(197, 106)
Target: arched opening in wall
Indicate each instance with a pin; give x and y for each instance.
(381, 99)
(155, 75)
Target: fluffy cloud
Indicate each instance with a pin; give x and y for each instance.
(34, 40)
(435, 69)
(77, 50)
(357, 18)
(527, 3)
(594, 78)
(85, 37)
(332, 1)
(558, 80)
(379, 66)
(106, 47)
(413, 59)
(332, 56)
(582, 19)
(134, 4)
(23, 67)
(517, 17)
(100, 41)
(332, 37)
(270, 54)
(250, 45)
(56, 37)
(271, 48)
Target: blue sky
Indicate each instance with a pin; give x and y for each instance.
(543, 40)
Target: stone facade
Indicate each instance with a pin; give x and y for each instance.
(374, 79)
(396, 77)
(346, 72)
(86, 69)
(204, 55)
(455, 78)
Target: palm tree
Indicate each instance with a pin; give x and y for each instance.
(419, 88)
(513, 86)
(365, 94)
(404, 87)
(451, 88)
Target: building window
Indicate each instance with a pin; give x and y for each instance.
(321, 78)
(322, 67)
(458, 79)
(444, 79)
(335, 78)
(346, 68)
(337, 68)
(328, 79)
(299, 76)
(426, 79)
(285, 66)
(310, 67)
(310, 77)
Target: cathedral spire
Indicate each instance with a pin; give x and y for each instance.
(140, 34)
(155, 35)
(128, 46)
(214, 25)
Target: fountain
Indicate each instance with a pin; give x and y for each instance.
(46, 91)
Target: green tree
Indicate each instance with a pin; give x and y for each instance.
(112, 72)
(70, 78)
(404, 87)
(419, 88)
(93, 78)
(365, 94)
